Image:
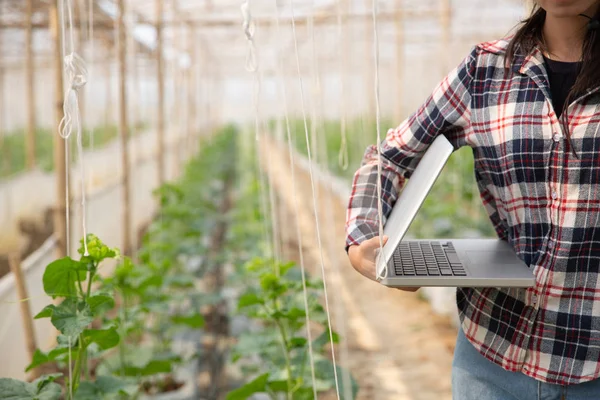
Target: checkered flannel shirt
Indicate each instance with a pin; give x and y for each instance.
(540, 198)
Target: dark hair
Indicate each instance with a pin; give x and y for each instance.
(529, 35)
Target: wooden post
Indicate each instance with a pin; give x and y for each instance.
(369, 63)
(399, 93)
(160, 122)
(124, 128)
(108, 89)
(344, 68)
(29, 68)
(14, 261)
(446, 42)
(191, 85)
(4, 164)
(60, 165)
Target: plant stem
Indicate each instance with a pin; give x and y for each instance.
(90, 279)
(81, 289)
(123, 334)
(77, 370)
(286, 353)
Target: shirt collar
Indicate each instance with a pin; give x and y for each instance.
(533, 65)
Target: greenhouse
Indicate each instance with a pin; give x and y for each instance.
(174, 184)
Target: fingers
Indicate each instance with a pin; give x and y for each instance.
(373, 243)
(408, 289)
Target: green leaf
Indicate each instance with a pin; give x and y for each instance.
(324, 339)
(40, 358)
(104, 338)
(46, 312)
(97, 251)
(61, 276)
(105, 387)
(193, 321)
(41, 389)
(71, 317)
(269, 282)
(285, 267)
(295, 313)
(326, 377)
(304, 393)
(249, 299)
(280, 385)
(100, 302)
(180, 281)
(152, 368)
(142, 361)
(257, 385)
(297, 342)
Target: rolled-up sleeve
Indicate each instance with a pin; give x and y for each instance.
(446, 111)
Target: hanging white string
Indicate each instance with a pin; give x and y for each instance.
(343, 163)
(296, 210)
(249, 29)
(378, 121)
(315, 205)
(252, 66)
(343, 153)
(76, 73)
(251, 59)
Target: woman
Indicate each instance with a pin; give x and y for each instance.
(529, 107)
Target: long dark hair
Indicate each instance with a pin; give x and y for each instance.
(529, 35)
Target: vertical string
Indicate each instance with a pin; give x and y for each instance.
(252, 67)
(316, 209)
(343, 152)
(76, 74)
(378, 122)
(296, 209)
(343, 163)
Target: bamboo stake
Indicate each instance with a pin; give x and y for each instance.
(178, 96)
(60, 165)
(14, 261)
(124, 128)
(29, 68)
(369, 61)
(5, 164)
(191, 84)
(160, 123)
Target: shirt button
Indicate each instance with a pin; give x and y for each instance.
(550, 244)
(556, 137)
(554, 195)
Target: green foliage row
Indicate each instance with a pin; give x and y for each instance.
(116, 331)
(278, 357)
(125, 322)
(13, 154)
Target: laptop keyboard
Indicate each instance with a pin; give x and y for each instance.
(427, 259)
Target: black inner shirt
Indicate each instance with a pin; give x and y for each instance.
(562, 76)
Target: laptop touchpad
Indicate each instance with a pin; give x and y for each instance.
(485, 258)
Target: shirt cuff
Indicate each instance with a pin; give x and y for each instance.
(359, 233)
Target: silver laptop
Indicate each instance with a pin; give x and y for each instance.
(442, 262)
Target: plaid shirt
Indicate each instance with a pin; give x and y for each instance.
(540, 198)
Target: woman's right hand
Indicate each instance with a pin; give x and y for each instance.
(363, 257)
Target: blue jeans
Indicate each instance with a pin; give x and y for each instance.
(476, 378)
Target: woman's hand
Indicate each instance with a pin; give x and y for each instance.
(363, 256)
